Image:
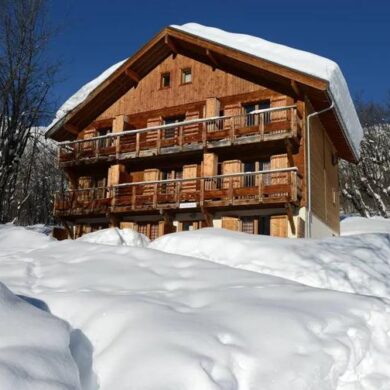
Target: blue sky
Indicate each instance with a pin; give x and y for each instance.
(97, 33)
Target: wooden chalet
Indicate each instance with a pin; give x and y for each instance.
(188, 133)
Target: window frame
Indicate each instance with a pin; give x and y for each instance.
(162, 75)
(184, 72)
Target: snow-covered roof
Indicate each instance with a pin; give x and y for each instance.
(299, 60)
(82, 94)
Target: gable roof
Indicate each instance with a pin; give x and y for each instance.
(275, 66)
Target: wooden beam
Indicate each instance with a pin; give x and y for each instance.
(208, 217)
(212, 58)
(169, 42)
(133, 75)
(68, 229)
(290, 157)
(71, 128)
(295, 88)
(290, 218)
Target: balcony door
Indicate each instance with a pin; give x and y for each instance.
(104, 142)
(169, 174)
(172, 132)
(253, 119)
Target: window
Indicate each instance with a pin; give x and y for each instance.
(169, 174)
(253, 119)
(256, 225)
(165, 80)
(104, 142)
(186, 76)
(171, 131)
(248, 225)
(249, 180)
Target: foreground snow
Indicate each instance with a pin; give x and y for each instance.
(145, 319)
(358, 264)
(34, 347)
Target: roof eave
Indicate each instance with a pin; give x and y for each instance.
(354, 152)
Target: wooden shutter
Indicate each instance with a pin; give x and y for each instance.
(279, 226)
(231, 223)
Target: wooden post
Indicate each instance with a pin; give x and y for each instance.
(181, 136)
(261, 189)
(208, 217)
(210, 164)
(133, 195)
(201, 197)
(118, 126)
(211, 110)
(290, 218)
(137, 143)
(158, 141)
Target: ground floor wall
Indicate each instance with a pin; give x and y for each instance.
(273, 222)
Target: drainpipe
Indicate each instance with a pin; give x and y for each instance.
(308, 143)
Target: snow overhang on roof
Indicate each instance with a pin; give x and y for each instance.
(302, 61)
(305, 67)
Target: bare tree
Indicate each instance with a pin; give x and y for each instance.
(39, 177)
(26, 77)
(365, 187)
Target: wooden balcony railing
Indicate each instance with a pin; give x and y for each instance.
(279, 186)
(257, 126)
(82, 201)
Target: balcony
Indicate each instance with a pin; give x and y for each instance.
(273, 188)
(267, 125)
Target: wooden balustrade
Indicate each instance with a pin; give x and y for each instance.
(82, 200)
(259, 126)
(278, 186)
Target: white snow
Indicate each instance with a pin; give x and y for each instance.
(360, 225)
(299, 60)
(143, 318)
(356, 264)
(116, 237)
(78, 97)
(34, 347)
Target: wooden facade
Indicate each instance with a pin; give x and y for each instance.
(196, 142)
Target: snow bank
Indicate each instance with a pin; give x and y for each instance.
(360, 225)
(83, 93)
(117, 237)
(358, 264)
(16, 238)
(34, 347)
(146, 319)
(299, 60)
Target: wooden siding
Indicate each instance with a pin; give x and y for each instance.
(206, 83)
(324, 177)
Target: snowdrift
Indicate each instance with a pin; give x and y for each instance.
(34, 347)
(116, 237)
(146, 319)
(358, 264)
